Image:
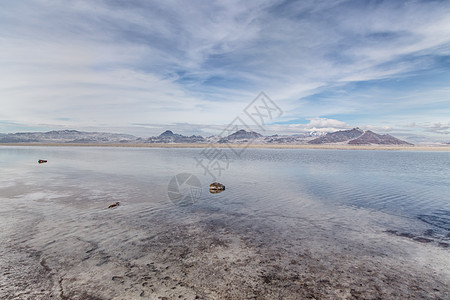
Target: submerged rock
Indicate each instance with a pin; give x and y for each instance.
(215, 191)
(216, 187)
(41, 161)
(114, 205)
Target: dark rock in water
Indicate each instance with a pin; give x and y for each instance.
(114, 205)
(41, 161)
(215, 191)
(216, 187)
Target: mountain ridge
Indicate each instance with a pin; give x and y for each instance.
(370, 137)
(338, 136)
(355, 136)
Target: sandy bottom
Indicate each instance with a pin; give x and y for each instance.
(53, 247)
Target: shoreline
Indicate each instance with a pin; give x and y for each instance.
(254, 146)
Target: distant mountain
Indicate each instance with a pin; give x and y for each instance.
(370, 137)
(240, 136)
(167, 133)
(354, 136)
(338, 136)
(170, 137)
(357, 136)
(66, 136)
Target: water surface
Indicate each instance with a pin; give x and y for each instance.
(301, 202)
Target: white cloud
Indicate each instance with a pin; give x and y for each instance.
(378, 129)
(326, 123)
(100, 63)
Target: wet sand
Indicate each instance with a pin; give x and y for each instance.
(261, 146)
(60, 250)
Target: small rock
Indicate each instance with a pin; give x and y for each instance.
(114, 205)
(216, 187)
(115, 278)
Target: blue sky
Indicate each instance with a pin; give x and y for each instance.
(142, 67)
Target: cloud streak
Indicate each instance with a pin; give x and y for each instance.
(117, 63)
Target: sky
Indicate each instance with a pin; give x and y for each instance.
(142, 67)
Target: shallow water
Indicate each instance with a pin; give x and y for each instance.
(291, 200)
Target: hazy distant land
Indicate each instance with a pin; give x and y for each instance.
(344, 139)
(262, 146)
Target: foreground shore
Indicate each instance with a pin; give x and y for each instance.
(201, 253)
(262, 146)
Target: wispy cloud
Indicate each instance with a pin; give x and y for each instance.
(439, 128)
(117, 63)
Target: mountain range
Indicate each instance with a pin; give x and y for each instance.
(358, 136)
(170, 137)
(66, 136)
(355, 136)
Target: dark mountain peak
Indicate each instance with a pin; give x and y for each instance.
(242, 134)
(169, 137)
(166, 133)
(357, 136)
(370, 137)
